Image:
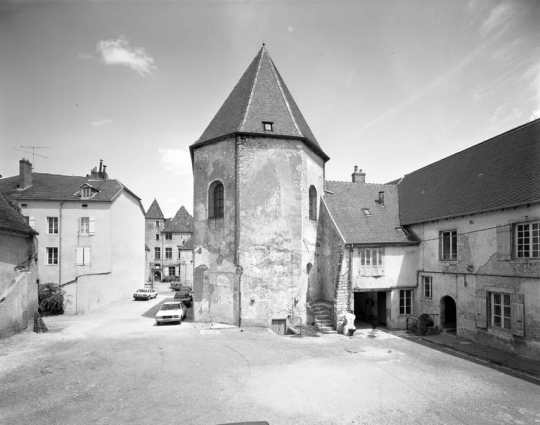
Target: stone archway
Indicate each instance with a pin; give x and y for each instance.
(448, 310)
(157, 276)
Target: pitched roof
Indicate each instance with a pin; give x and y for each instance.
(346, 202)
(61, 188)
(182, 222)
(154, 211)
(260, 96)
(188, 245)
(12, 221)
(498, 173)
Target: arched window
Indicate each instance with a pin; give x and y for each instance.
(312, 203)
(309, 266)
(215, 200)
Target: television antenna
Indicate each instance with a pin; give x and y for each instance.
(33, 153)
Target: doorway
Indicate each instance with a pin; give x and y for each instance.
(157, 277)
(370, 307)
(448, 314)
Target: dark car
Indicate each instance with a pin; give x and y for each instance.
(184, 295)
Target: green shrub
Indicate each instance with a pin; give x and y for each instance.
(51, 299)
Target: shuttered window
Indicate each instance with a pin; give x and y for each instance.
(83, 256)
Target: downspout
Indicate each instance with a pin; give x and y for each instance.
(60, 252)
(349, 285)
(237, 231)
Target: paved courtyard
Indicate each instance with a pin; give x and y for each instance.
(114, 366)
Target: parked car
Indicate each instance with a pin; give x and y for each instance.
(173, 311)
(184, 295)
(144, 294)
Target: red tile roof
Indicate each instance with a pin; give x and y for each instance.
(346, 203)
(12, 221)
(182, 222)
(260, 96)
(501, 172)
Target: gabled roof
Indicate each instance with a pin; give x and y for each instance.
(188, 245)
(260, 96)
(154, 211)
(56, 187)
(12, 221)
(501, 172)
(182, 222)
(346, 202)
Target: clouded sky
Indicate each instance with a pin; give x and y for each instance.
(388, 85)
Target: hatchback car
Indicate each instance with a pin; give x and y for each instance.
(144, 294)
(184, 295)
(171, 312)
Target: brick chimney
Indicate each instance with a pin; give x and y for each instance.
(358, 176)
(25, 174)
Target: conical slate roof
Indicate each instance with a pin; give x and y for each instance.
(260, 96)
(154, 211)
(181, 222)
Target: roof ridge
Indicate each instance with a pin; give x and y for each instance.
(244, 118)
(275, 74)
(358, 183)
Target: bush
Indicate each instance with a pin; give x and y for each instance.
(51, 299)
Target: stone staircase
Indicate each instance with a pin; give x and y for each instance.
(323, 320)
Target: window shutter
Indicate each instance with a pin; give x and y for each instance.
(86, 255)
(518, 327)
(32, 222)
(80, 256)
(504, 246)
(92, 226)
(481, 309)
(166, 270)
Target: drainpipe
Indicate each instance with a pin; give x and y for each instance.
(60, 251)
(237, 231)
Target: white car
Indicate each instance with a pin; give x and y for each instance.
(144, 294)
(171, 312)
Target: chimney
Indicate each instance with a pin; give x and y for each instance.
(358, 176)
(25, 174)
(104, 174)
(381, 198)
(100, 164)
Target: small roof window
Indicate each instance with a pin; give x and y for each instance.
(268, 126)
(367, 212)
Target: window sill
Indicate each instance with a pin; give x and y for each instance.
(524, 260)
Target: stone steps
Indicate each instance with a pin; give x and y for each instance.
(323, 321)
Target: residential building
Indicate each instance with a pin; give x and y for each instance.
(18, 287)
(91, 239)
(170, 246)
(477, 213)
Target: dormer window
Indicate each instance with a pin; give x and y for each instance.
(86, 192)
(268, 126)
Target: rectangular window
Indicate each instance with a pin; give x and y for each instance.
(86, 192)
(427, 282)
(448, 242)
(52, 223)
(405, 301)
(157, 223)
(172, 271)
(371, 261)
(168, 236)
(528, 240)
(85, 225)
(268, 126)
(168, 253)
(52, 256)
(157, 253)
(157, 236)
(83, 255)
(179, 253)
(501, 316)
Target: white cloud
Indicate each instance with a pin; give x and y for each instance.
(99, 123)
(84, 55)
(291, 29)
(497, 19)
(176, 161)
(119, 52)
(535, 114)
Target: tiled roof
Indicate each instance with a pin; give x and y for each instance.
(59, 188)
(12, 220)
(182, 222)
(154, 211)
(501, 172)
(260, 95)
(346, 203)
